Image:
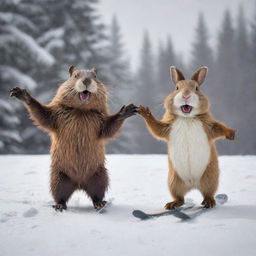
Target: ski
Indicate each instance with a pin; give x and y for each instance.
(103, 209)
(145, 216)
(220, 200)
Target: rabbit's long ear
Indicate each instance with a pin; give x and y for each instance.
(176, 75)
(199, 75)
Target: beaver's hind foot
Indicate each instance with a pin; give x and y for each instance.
(99, 205)
(60, 207)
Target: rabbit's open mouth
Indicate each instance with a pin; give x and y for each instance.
(186, 109)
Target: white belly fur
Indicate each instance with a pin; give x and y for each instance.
(189, 149)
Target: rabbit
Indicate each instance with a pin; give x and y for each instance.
(189, 129)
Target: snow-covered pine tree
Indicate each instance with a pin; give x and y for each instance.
(242, 45)
(202, 55)
(226, 67)
(81, 35)
(21, 55)
(50, 35)
(166, 58)
(252, 45)
(245, 87)
(75, 36)
(201, 50)
(147, 95)
(146, 74)
(252, 87)
(120, 88)
(119, 70)
(226, 79)
(9, 135)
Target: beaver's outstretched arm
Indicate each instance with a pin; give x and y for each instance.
(113, 123)
(41, 114)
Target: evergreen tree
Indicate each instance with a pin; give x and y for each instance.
(21, 57)
(245, 87)
(120, 84)
(119, 71)
(252, 57)
(161, 72)
(9, 136)
(242, 42)
(146, 73)
(226, 67)
(74, 37)
(201, 51)
(202, 55)
(251, 110)
(147, 95)
(227, 81)
(166, 58)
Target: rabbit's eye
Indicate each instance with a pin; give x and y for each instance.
(177, 88)
(197, 88)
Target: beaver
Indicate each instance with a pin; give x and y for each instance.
(79, 124)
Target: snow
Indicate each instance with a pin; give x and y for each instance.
(29, 226)
(10, 73)
(10, 120)
(5, 105)
(40, 53)
(52, 39)
(52, 33)
(17, 20)
(11, 134)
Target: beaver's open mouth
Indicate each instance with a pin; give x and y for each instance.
(186, 109)
(84, 96)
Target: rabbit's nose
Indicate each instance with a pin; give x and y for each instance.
(186, 97)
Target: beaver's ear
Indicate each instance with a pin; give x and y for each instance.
(94, 71)
(199, 75)
(71, 70)
(176, 75)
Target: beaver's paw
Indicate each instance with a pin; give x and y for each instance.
(144, 111)
(20, 94)
(99, 205)
(60, 207)
(230, 134)
(127, 111)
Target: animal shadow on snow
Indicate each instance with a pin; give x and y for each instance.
(239, 212)
(116, 211)
(81, 209)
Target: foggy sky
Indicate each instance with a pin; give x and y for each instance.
(168, 17)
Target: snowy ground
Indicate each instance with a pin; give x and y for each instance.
(29, 226)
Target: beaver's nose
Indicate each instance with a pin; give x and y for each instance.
(86, 81)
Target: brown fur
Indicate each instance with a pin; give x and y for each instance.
(79, 133)
(213, 129)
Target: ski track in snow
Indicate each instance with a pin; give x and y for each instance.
(29, 225)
